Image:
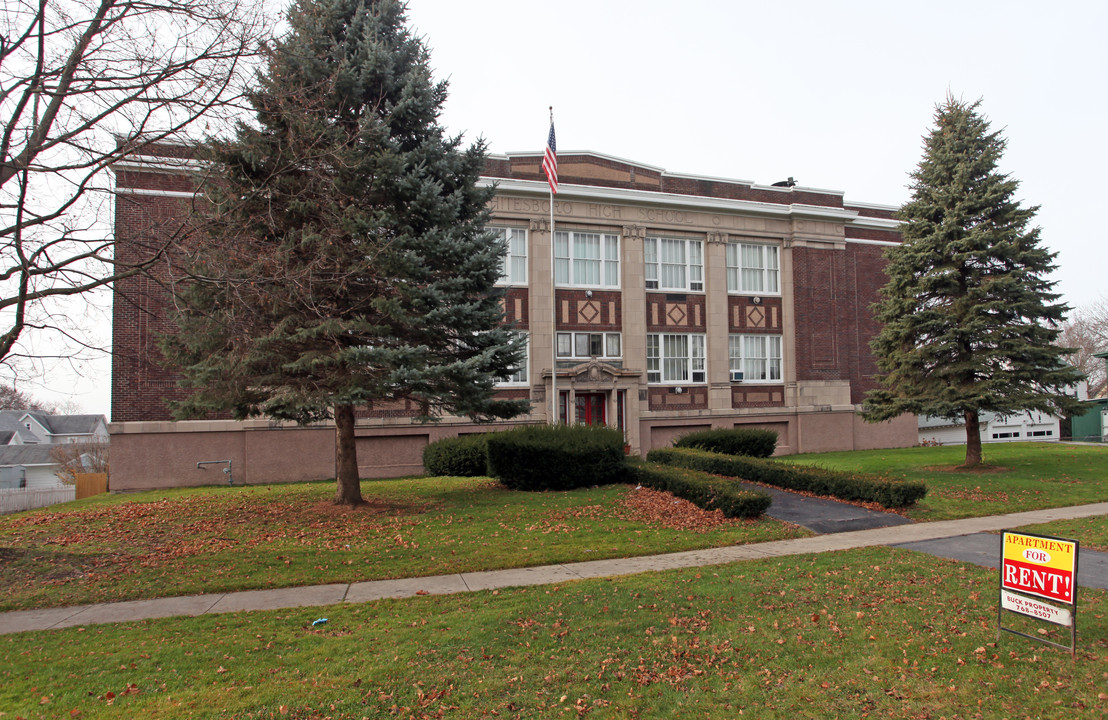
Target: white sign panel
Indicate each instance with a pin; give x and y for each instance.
(1035, 608)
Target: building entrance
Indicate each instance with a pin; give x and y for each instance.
(591, 408)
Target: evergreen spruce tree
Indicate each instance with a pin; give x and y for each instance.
(343, 260)
(969, 315)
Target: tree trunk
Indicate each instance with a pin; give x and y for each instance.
(349, 490)
(973, 439)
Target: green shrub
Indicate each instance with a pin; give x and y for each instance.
(559, 457)
(464, 456)
(703, 490)
(753, 442)
(846, 486)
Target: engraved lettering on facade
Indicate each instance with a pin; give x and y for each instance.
(603, 211)
(673, 217)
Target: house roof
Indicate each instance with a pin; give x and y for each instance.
(74, 424)
(26, 455)
(13, 420)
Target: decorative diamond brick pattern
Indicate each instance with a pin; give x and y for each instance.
(588, 312)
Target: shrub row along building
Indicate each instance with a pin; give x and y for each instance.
(678, 303)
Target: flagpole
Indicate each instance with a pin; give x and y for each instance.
(553, 320)
(554, 399)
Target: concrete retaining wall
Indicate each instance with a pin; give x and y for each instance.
(150, 455)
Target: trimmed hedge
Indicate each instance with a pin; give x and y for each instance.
(559, 457)
(706, 491)
(752, 442)
(846, 486)
(463, 456)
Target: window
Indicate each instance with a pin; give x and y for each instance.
(519, 377)
(513, 268)
(674, 264)
(753, 268)
(676, 358)
(584, 259)
(756, 357)
(589, 345)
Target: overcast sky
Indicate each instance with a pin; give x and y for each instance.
(836, 95)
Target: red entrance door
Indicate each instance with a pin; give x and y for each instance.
(590, 408)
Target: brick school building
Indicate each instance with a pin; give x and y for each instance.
(668, 303)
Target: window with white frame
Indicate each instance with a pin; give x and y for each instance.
(513, 266)
(675, 358)
(755, 358)
(519, 376)
(674, 264)
(753, 268)
(605, 346)
(586, 259)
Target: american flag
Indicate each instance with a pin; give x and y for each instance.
(550, 160)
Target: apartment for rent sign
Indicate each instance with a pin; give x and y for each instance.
(1039, 565)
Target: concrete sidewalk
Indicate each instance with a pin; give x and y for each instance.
(193, 605)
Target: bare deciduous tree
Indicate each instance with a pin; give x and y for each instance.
(76, 458)
(84, 83)
(1087, 331)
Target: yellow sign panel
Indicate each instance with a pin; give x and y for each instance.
(1040, 566)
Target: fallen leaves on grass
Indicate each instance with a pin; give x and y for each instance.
(975, 495)
(121, 539)
(665, 509)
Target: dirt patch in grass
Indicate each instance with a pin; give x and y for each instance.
(369, 509)
(46, 566)
(963, 470)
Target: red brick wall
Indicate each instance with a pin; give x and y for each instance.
(691, 397)
(603, 312)
(743, 316)
(140, 385)
(744, 396)
(517, 307)
(834, 323)
(675, 313)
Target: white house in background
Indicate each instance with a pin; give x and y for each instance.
(1033, 425)
(26, 439)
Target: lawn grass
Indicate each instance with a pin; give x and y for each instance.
(221, 539)
(1015, 477)
(874, 632)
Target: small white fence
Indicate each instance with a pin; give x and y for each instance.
(27, 499)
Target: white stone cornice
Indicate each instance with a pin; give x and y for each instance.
(862, 241)
(157, 164)
(156, 193)
(592, 193)
(872, 206)
(873, 223)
